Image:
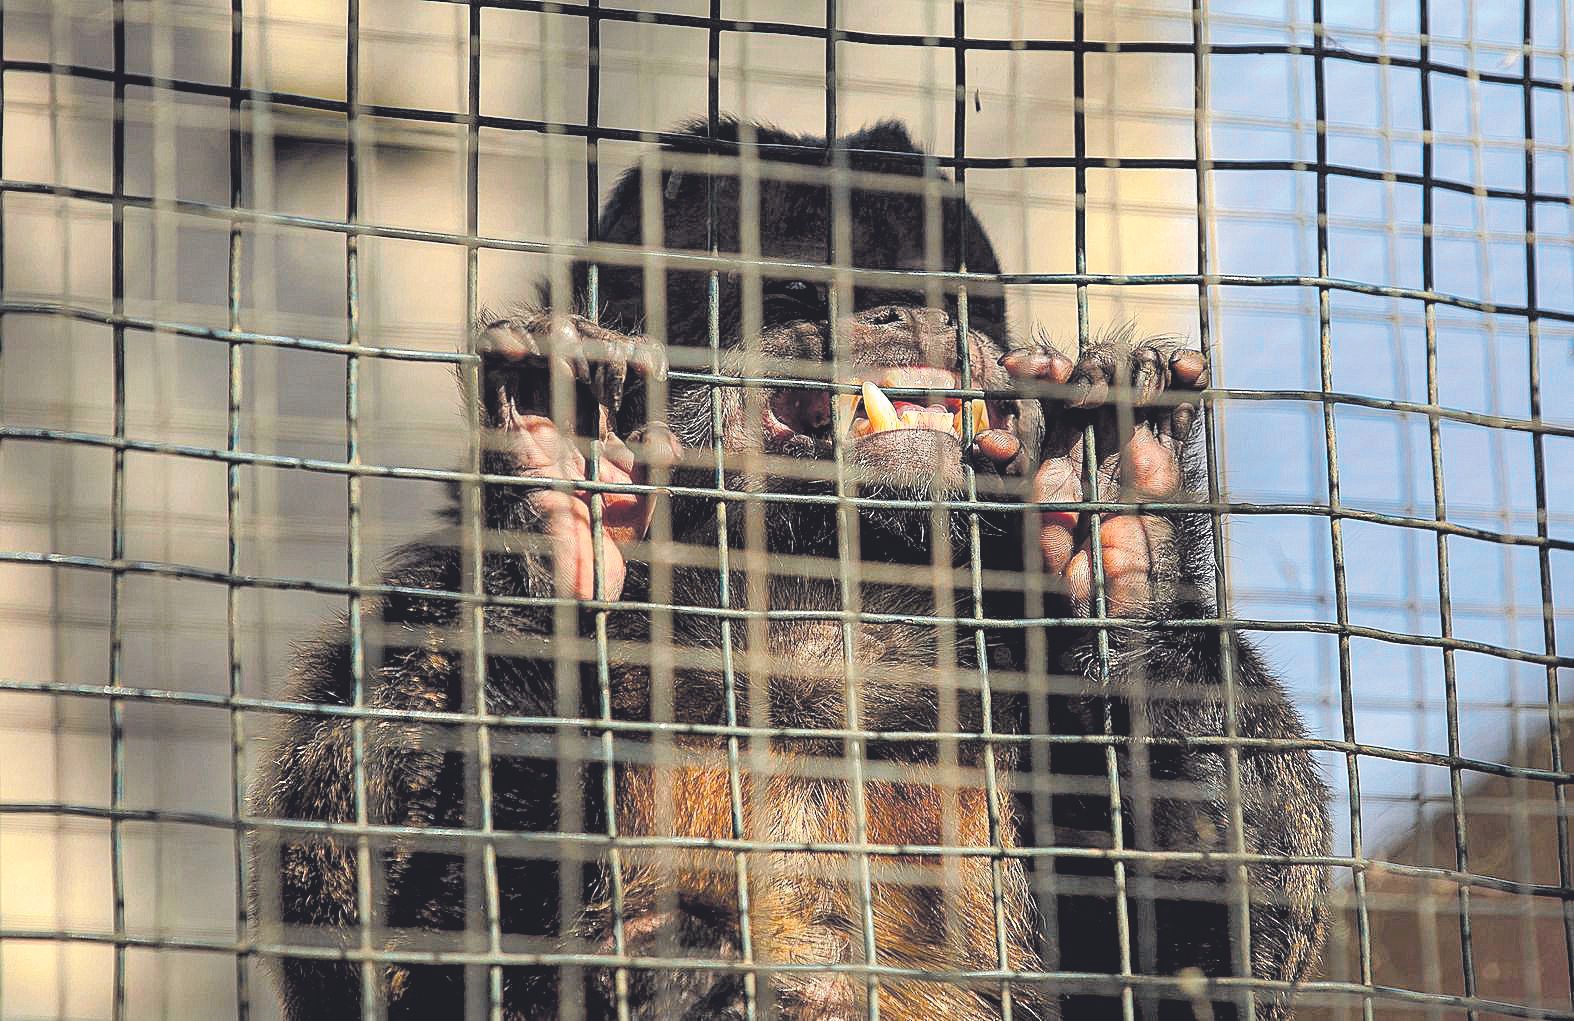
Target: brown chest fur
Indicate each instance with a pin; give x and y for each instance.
(805, 886)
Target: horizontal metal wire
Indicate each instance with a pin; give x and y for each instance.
(819, 272)
(843, 616)
(1078, 981)
(754, 27)
(644, 727)
(411, 473)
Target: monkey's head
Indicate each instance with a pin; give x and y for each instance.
(895, 222)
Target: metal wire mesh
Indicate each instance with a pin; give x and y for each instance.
(200, 204)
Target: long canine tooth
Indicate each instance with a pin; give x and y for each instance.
(877, 406)
(980, 413)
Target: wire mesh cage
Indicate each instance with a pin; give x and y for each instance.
(731, 509)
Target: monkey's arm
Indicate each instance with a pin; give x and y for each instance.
(1183, 691)
(366, 758)
(341, 764)
(537, 543)
(1180, 688)
(549, 383)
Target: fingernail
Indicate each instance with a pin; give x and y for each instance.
(659, 444)
(1064, 518)
(997, 445)
(1190, 363)
(1024, 363)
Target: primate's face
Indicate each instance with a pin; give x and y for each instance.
(895, 350)
(898, 361)
(894, 354)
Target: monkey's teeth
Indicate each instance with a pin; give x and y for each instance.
(880, 414)
(877, 406)
(980, 414)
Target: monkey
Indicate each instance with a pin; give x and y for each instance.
(931, 807)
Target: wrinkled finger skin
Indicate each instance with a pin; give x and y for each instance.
(1139, 399)
(1138, 402)
(530, 366)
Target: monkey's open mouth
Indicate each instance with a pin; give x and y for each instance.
(859, 415)
(804, 421)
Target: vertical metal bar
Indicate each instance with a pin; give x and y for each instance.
(753, 871)
(723, 538)
(992, 795)
(839, 256)
(608, 743)
(473, 554)
(117, 513)
(232, 510)
(1440, 509)
(2, 328)
(593, 138)
(370, 1007)
(1038, 674)
(724, 594)
(620, 978)
(1539, 460)
(653, 244)
(757, 596)
(608, 746)
(1079, 134)
(1409, 562)
(570, 986)
(1335, 520)
(2, 319)
(2, 296)
(946, 768)
(1240, 878)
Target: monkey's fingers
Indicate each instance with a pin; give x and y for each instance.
(564, 516)
(1190, 369)
(1043, 367)
(1145, 469)
(574, 553)
(998, 447)
(621, 363)
(1188, 372)
(1143, 375)
(651, 454)
(524, 358)
(625, 517)
(1127, 543)
(1133, 542)
(541, 450)
(1149, 470)
(1059, 480)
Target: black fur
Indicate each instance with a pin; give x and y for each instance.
(1163, 683)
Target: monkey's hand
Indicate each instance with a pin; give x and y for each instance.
(524, 360)
(1140, 397)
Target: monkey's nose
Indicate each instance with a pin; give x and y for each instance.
(885, 315)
